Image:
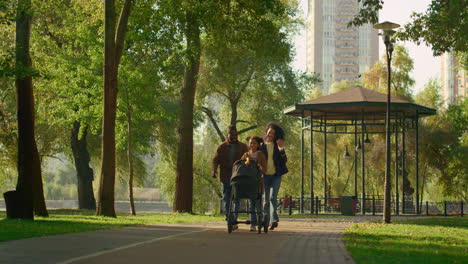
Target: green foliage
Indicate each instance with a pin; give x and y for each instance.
(343, 85)
(445, 146)
(413, 241)
(442, 26)
(430, 96)
(402, 82)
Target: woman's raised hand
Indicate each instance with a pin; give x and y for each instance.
(280, 143)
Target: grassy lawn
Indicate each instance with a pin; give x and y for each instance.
(441, 240)
(71, 221)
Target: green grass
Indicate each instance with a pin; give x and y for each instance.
(440, 240)
(71, 221)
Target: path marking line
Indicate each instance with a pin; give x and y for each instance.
(153, 229)
(129, 246)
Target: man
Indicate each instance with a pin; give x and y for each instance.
(226, 154)
(273, 148)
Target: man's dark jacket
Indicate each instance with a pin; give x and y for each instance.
(221, 158)
(279, 158)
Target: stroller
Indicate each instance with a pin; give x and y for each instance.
(246, 183)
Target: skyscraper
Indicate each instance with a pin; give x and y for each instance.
(335, 51)
(454, 80)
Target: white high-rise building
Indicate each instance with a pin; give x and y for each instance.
(335, 51)
(454, 80)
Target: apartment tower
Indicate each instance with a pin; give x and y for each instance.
(454, 80)
(335, 51)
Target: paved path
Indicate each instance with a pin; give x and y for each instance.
(316, 240)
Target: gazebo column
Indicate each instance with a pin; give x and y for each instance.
(417, 162)
(363, 191)
(355, 161)
(302, 164)
(403, 165)
(396, 166)
(325, 164)
(311, 165)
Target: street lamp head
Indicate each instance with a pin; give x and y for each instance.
(387, 30)
(386, 26)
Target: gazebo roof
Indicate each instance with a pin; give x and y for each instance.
(351, 103)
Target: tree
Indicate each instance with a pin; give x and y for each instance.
(430, 96)
(445, 143)
(184, 173)
(343, 85)
(29, 187)
(84, 172)
(402, 82)
(233, 59)
(114, 38)
(442, 26)
(68, 53)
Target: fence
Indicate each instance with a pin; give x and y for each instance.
(372, 206)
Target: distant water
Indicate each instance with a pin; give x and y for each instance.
(120, 206)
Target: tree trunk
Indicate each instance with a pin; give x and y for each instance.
(24, 198)
(130, 161)
(39, 204)
(84, 173)
(233, 112)
(107, 181)
(184, 172)
(114, 38)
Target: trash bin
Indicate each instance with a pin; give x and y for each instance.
(348, 205)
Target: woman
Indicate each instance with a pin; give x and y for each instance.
(259, 158)
(273, 148)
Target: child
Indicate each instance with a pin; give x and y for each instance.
(257, 156)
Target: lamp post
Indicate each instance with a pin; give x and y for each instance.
(387, 28)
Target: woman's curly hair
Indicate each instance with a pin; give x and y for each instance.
(279, 132)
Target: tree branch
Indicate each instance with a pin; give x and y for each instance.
(122, 30)
(210, 116)
(242, 89)
(221, 93)
(247, 129)
(241, 121)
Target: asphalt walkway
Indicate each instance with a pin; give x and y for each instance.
(317, 240)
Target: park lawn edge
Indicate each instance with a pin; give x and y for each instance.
(65, 221)
(425, 240)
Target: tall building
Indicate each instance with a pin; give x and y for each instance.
(454, 80)
(335, 51)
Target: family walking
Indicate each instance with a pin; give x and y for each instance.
(269, 155)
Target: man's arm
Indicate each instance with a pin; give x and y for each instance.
(215, 163)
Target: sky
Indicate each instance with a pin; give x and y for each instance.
(398, 11)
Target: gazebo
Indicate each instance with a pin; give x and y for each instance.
(358, 111)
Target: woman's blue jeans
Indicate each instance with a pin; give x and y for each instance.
(255, 206)
(272, 185)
